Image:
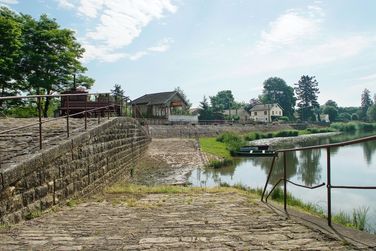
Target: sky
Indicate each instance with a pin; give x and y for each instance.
(205, 46)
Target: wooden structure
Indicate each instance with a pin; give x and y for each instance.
(158, 105)
(77, 103)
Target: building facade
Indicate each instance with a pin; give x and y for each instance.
(158, 105)
(266, 113)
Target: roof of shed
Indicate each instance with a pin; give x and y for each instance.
(157, 98)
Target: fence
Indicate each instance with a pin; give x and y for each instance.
(69, 108)
(329, 185)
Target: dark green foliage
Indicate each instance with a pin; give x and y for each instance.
(366, 102)
(232, 140)
(38, 56)
(283, 118)
(306, 91)
(222, 101)
(354, 116)
(354, 126)
(332, 111)
(371, 113)
(277, 91)
(184, 96)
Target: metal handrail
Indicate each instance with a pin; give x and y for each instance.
(55, 95)
(329, 186)
(105, 108)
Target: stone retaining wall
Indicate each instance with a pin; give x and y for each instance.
(78, 166)
(192, 131)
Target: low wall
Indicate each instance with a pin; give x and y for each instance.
(192, 131)
(77, 166)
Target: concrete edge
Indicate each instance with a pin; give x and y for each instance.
(357, 238)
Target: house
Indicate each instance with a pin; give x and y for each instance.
(266, 113)
(243, 114)
(158, 105)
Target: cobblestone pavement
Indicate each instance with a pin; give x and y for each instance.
(206, 219)
(19, 144)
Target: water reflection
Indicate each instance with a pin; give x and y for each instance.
(351, 165)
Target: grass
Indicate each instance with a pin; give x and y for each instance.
(357, 220)
(33, 214)
(212, 146)
(354, 126)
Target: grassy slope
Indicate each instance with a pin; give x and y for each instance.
(211, 145)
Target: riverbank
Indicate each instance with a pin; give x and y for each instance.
(292, 140)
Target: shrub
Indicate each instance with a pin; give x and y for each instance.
(283, 118)
(232, 140)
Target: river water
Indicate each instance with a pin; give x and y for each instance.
(350, 165)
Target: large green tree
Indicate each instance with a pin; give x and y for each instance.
(10, 53)
(366, 102)
(277, 91)
(50, 57)
(306, 91)
(184, 96)
(371, 113)
(331, 108)
(222, 101)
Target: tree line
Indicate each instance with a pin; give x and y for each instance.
(37, 56)
(298, 103)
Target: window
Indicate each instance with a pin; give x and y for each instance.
(255, 113)
(265, 112)
(272, 112)
(280, 113)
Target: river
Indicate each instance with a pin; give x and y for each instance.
(350, 165)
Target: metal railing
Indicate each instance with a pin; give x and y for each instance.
(67, 107)
(329, 185)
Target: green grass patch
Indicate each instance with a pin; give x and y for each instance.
(33, 214)
(212, 146)
(354, 126)
(357, 220)
(277, 195)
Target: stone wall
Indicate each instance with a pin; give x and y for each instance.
(77, 166)
(192, 131)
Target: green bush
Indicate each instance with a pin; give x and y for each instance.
(283, 118)
(232, 140)
(353, 126)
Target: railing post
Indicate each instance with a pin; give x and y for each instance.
(40, 121)
(328, 186)
(108, 106)
(86, 96)
(67, 116)
(267, 179)
(284, 181)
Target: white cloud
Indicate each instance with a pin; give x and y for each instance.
(323, 52)
(65, 4)
(119, 22)
(290, 28)
(8, 2)
(107, 55)
(368, 77)
(162, 46)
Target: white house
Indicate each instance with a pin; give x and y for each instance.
(266, 113)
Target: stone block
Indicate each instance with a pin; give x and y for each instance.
(28, 197)
(41, 191)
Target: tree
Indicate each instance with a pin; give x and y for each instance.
(205, 110)
(117, 92)
(50, 57)
(331, 111)
(371, 113)
(331, 103)
(331, 108)
(10, 53)
(277, 91)
(222, 101)
(366, 102)
(182, 93)
(307, 90)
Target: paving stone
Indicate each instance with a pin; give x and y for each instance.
(172, 225)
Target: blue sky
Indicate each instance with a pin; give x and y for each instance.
(205, 46)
